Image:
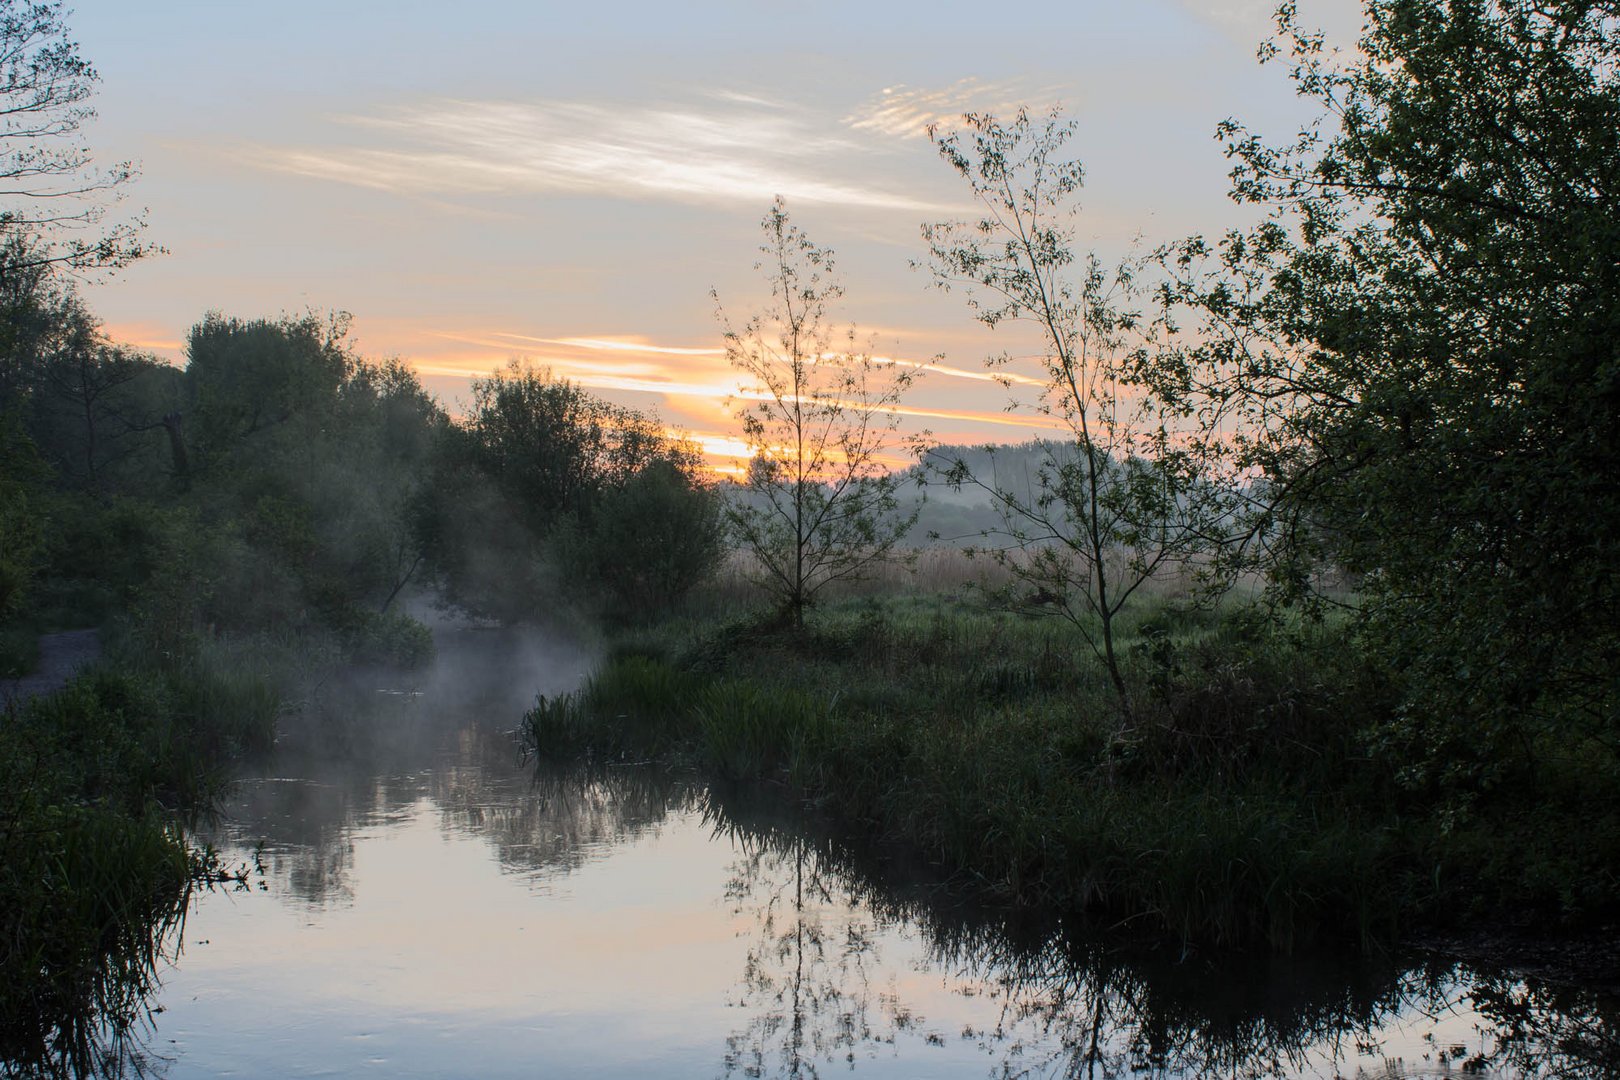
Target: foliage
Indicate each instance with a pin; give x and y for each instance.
(94, 872)
(245, 376)
(57, 190)
(86, 403)
(551, 445)
(647, 541)
(1245, 803)
(546, 494)
(1240, 806)
(21, 538)
(391, 639)
(94, 403)
(1418, 350)
(1123, 498)
(816, 506)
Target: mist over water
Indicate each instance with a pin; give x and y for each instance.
(427, 905)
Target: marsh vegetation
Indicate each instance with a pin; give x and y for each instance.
(1299, 634)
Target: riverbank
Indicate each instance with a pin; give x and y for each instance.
(108, 758)
(1246, 792)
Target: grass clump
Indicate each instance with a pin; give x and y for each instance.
(642, 701)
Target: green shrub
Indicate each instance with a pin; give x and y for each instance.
(19, 651)
(392, 639)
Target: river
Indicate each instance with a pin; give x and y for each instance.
(418, 903)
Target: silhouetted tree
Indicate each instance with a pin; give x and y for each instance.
(817, 504)
(1419, 354)
(1122, 498)
(53, 191)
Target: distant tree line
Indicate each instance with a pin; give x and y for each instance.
(279, 480)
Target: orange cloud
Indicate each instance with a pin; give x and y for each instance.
(148, 337)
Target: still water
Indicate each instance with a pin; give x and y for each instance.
(420, 904)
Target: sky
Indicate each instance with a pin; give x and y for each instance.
(567, 184)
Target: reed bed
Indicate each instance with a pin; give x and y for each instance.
(1214, 807)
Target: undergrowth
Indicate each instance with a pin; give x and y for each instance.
(100, 780)
(1237, 797)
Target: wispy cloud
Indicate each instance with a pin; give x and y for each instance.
(683, 375)
(1248, 22)
(908, 112)
(733, 147)
(1248, 18)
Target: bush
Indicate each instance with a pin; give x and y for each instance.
(391, 639)
(94, 869)
(646, 543)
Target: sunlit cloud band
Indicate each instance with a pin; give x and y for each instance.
(719, 149)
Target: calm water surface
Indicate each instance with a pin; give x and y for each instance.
(439, 911)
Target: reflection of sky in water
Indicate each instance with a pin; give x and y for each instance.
(673, 953)
(444, 964)
(439, 912)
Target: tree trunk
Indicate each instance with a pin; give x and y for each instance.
(177, 451)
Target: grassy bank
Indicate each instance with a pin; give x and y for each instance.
(1244, 793)
(103, 778)
(100, 780)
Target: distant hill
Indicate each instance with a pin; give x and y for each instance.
(961, 515)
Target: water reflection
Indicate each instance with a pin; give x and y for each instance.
(808, 983)
(93, 1013)
(303, 830)
(93, 1017)
(1062, 1002)
(426, 903)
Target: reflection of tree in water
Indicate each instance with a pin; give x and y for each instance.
(369, 747)
(808, 978)
(1079, 1010)
(1085, 1011)
(555, 820)
(818, 996)
(1544, 1030)
(1061, 1004)
(392, 756)
(300, 831)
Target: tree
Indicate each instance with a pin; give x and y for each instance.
(1125, 495)
(546, 491)
(53, 189)
(552, 445)
(85, 398)
(646, 541)
(389, 429)
(22, 533)
(247, 376)
(1421, 344)
(816, 506)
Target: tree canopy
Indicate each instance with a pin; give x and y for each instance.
(1421, 342)
(51, 186)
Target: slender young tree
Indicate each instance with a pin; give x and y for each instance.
(817, 505)
(1123, 497)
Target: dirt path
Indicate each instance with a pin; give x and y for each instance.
(60, 655)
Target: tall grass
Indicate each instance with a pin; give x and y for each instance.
(1235, 804)
(100, 779)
